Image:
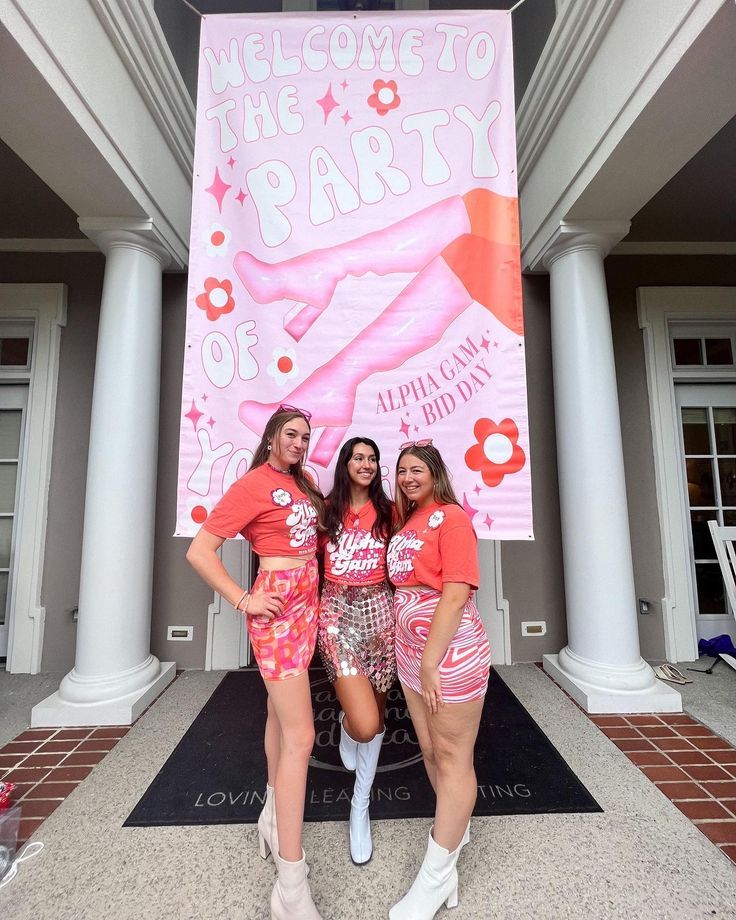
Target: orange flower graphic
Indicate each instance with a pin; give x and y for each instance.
(496, 454)
(384, 97)
(217, 298)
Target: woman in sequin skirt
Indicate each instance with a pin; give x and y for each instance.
(356, 621)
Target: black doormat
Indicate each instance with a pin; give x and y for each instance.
(217, 772)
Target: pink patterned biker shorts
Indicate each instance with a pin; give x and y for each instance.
(464, 669)
(284, 646)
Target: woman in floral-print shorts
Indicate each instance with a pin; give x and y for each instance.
(278, 508)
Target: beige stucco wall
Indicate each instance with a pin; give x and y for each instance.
(532, 571)
(82, 274)
(623, 275)
(180, 598)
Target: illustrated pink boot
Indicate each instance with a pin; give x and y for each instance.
(470, 269)
(406, 246)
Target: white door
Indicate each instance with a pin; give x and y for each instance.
(13, 401)
(707, 421)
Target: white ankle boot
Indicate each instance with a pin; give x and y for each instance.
(348, 747)
(268, 836)
(435, 883)
(361, 845)
(291, 898)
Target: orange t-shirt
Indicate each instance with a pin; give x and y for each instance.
(269, 509)
(356, 557)
(436, 545)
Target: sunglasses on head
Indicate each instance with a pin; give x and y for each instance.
(284, 408)
(426, 442)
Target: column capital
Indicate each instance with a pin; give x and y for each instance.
(572, 235)
(109, 232)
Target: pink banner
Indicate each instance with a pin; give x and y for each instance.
(355, 251)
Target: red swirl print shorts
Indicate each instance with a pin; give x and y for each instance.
(464, 669)
(284, 646)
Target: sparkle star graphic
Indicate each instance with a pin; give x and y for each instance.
(211, 422)
(203, 397)
(469, 509)
(404, 428)
(241, 196)
(344, 84)
(495, 344)
(327, 103)
(485, 343)
(488, 521)
(346, 117)
(477, 490)
(416, 428)
(218, 189)
(194, 415)
(231, 162)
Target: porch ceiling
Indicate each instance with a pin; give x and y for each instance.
(696, 204)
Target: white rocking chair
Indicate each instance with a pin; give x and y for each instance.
(723, 541)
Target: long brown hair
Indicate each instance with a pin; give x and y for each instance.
(443, 491)
(273, 429)
(339, 498)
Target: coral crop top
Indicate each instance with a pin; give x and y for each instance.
(268, 509)
(436, 545)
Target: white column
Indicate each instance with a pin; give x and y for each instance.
(115, 676)
(601, 667)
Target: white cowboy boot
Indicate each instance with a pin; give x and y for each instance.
(361, 845)
(348, 747)
(268, 836)
(291, 898)
(436, 883)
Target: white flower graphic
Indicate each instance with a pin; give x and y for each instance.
(435, 519)
(283, 366)
(217, 239)
(281, 497)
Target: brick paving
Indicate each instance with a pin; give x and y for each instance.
(47, 765)
(690, 764)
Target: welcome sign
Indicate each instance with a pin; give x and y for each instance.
(355, 251)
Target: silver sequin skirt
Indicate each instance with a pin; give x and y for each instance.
(356, 633)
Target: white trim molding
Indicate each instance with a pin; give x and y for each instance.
(134, 29)
(225, 626)
(657, 307)
(87, 103)
(493, 606)
(577, 32)
(45, 304)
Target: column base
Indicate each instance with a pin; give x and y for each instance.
(55, 711)
(657, 697)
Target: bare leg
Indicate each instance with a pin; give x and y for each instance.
(419, 718)
(453, 731)
(272, 742)
(292, 704)
(363, 707)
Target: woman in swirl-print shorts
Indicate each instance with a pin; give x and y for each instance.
(443, 659)
(356, 621)
(277, 507)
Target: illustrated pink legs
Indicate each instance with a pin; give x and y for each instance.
(471, 268)
(406, 246)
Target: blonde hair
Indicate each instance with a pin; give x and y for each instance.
(443, 491)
